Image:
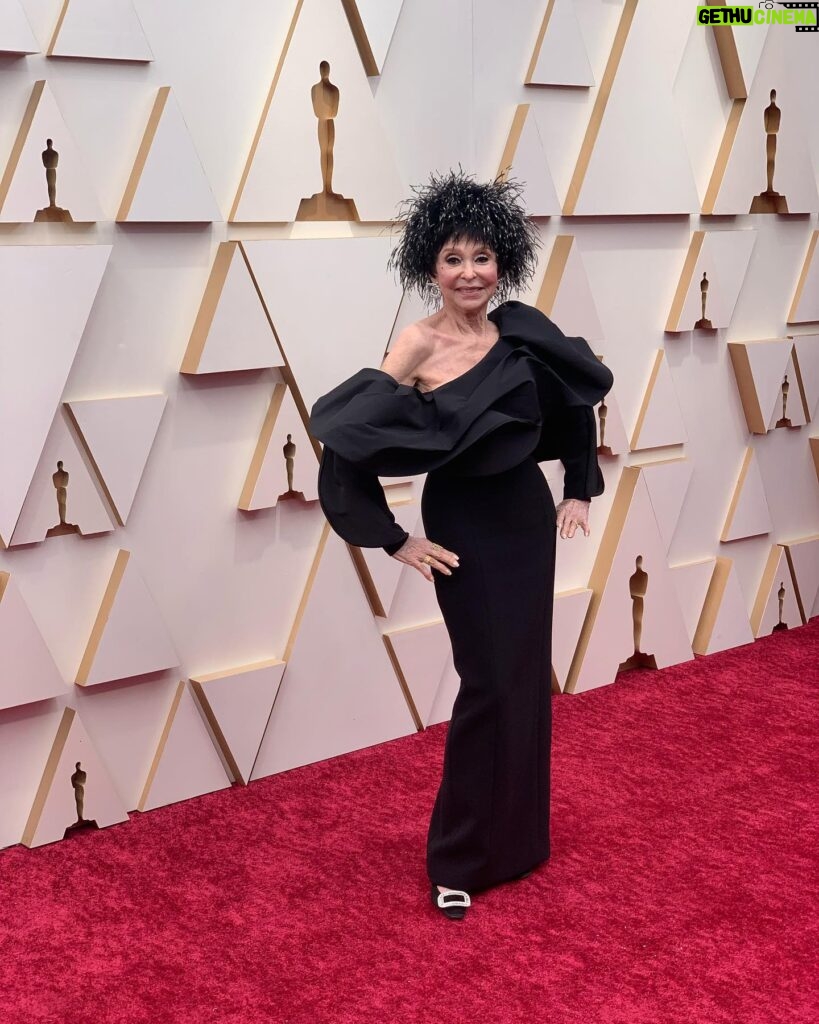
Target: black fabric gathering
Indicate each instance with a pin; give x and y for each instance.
(479, 438)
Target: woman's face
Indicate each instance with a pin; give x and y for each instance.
(467, 274)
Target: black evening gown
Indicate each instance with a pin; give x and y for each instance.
(479, 438)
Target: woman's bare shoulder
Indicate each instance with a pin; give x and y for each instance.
(412, 345)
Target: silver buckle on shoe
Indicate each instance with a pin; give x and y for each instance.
(456, 898)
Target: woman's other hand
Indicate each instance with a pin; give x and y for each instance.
(571, 513)
(425, 555)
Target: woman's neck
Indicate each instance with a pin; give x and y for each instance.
(474, 322)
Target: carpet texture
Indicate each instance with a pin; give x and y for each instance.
(682, 887)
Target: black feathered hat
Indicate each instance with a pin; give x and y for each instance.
(455, 206)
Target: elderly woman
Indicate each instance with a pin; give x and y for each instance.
(475, 400)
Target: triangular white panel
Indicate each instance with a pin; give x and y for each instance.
(749, 515)
(573, 307)
(339, 692)
(692, 580)
(807, 360)
(238, 703)
(284, 166)
(617, 178)
(24, 188)
(27, 669)
(232, 330)
(607, 638)
(186, 763)
(267, 481)
(378, 19)
(129, 636)
(724, 620)
(611, 431)
(386, 572)
(569, 614)
(167, 183)
(791, 405)
(102, 29)
(760, 367)
(722, 258)
(805, 305)
(560, 56)
(667, 483)
(56, 805)
(421, 652)
(525, 159)
(46, 294)
(119, 433)
(776, 599)
(745, 174)
(803, 556)
(15, 32)
(660, 421)
(85, 507)
(355, 334)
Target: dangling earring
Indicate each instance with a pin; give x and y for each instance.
(435, 289)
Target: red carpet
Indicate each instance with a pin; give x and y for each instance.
(682, 888)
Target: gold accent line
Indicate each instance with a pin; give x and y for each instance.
(402, 681)
(694, 250)
(208, 306)
(800, 380)
(254, 666)
(601, 569)
(59, 25)
(743, 473)
(160, 750)
(711, 605)
(795, 583)
(553, 277)
(265, 109)
(311, 579)
(511, 147)
(797, 298)
(652, 380)
(765, 585)
(20, 141)
(262, 445)
(540, 37)
(103, 615)
(360, 35)
(729, 58)
(47, 780)
(213, 722)
(90, 455)
(814, 450)
(746, 386)
(4, 581)
(142, 153)
(727, 144)
(599, 109)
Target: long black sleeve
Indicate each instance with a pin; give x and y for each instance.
(577, 446)
(354, 503)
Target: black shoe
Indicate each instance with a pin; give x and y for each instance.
(518, 878)
(454, 904)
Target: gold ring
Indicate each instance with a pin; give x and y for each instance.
(437, 547)
(426, 559)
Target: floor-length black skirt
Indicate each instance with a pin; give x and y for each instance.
(490, 820)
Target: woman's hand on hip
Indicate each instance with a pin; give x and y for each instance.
(571, 513)
(425, 555)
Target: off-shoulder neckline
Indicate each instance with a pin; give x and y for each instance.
(431, 391)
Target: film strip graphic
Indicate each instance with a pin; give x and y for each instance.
(801, 7)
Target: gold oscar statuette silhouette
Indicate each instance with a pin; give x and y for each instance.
(60, 481)
(704, 324)
(78, 780)
(781, 595)
(770, 201)
(327, 204)
(52, 212)
(602, 412)
(289, 452)
(784, 421)
(638, 585)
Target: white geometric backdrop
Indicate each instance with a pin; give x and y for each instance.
(197, 628)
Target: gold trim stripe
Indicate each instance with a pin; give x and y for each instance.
(694, 250)
(142, 153)
(103, 615)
